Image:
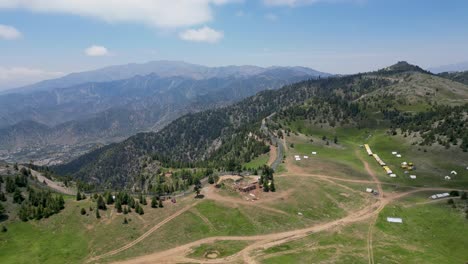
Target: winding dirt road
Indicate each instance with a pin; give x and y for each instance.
(260, 242)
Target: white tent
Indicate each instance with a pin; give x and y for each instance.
(393, 175)
(306, 157)
(394, 152)
(398, 155)
(448, 178)
(394, 220)
(314, 153)
(369, 190)
(453, 172)
(298, 159)
(412, 176)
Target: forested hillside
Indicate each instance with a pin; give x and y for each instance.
(461, 77)
(225, 138)
(60, 119)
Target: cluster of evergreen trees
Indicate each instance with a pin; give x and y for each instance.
(446, 125)
(40, 204)
(123, 202)
(266, 179)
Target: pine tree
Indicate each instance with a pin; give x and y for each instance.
(3, 197)
(140, 210)
(100, 203)
(160, 203)
(144, 202)
(125, 221)
(265, 186)
(83, 211)
(118, 206)
(125, 210)
(18, 197)
(4, 229)
(272, 186)
(78, 196)
(131, 202)
(154, 202)
(2, 209)
(98, 216)
(210, 179)
(109, 198)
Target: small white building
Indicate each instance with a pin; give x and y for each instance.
(412, 177)
(440, 195)
(393, 175)
(448, 178)
(314, 153)
(394, 220)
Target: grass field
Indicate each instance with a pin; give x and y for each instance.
(257, 162)
(431, 233)
(346, 245)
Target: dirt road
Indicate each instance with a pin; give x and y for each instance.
(53, 185)
(260, 242)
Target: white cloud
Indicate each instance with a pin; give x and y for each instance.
(95, 51)
(11, 77)
(9, 32)
(204, 34)
(157, 13)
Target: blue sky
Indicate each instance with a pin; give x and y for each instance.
(42, 39)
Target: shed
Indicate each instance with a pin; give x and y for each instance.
(394, 220)
(314, 153)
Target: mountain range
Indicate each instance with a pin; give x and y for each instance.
(401, 96)
(80, 110)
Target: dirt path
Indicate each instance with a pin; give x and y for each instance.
(211, 194)
(145, 235)
(176, 255)
(51, 184)
(203, 218)
(370, 248)
(273, 155)
(261, 242)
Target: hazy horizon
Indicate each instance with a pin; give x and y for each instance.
(42, 40)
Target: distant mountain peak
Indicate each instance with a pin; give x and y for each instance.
(403, 66)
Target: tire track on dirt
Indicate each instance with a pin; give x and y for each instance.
(145, 235)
